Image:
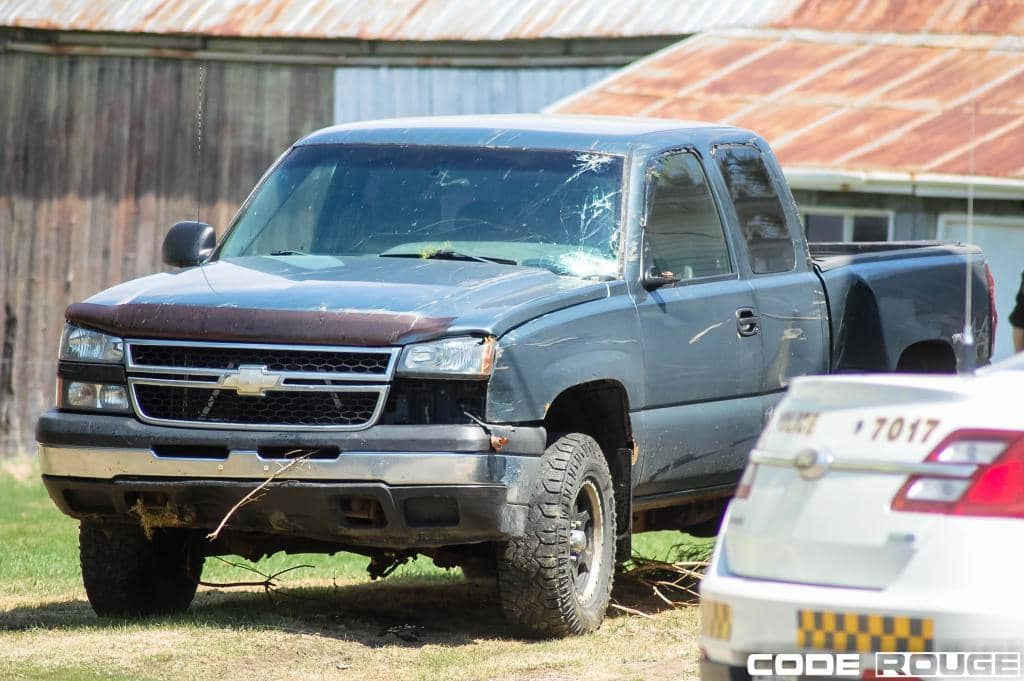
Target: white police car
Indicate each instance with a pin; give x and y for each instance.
(878, 513)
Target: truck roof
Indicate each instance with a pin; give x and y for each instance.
(611, 134)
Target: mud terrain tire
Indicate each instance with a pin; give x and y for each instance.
(127, 574)
(557, 579)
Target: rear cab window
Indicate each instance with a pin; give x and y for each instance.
(762, 218)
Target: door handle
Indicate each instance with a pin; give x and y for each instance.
(747, 321)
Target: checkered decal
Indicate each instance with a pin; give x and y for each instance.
(855, 633)
(716, 619)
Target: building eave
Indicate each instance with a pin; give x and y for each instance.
(912, 184)
(538, 53)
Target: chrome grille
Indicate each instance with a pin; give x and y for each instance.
(286, 408)
(275, 359)
(254, 386)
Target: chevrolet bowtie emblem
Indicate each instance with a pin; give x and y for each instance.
(250, 379)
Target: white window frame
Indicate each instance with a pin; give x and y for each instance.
(946, 219)
(848, 215)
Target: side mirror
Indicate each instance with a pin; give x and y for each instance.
(653, 279)
(188, 243)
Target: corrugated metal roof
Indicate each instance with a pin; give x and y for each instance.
(841, 101)
(996, 17)
(413, 20)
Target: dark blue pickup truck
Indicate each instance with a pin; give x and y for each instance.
(503, 342)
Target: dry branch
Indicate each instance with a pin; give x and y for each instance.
(252, 494)
(631, 611)
(674, 584)
(268, 583)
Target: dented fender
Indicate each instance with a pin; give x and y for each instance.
(537, 361)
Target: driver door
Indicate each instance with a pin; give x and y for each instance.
(702, 355)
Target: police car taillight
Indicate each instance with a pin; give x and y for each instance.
(996, 487)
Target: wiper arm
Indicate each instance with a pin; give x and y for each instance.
(449, 254)
(287, 253)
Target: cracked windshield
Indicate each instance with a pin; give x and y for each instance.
(555, 210)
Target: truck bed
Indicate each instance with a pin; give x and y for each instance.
(887, 300)
(830, 255)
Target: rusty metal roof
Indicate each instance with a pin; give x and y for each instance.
(842, 101)
(996, 17)
(412, 20)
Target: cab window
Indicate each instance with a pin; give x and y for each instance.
(761, 217)
(685, 237)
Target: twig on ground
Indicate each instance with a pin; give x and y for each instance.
(674, 584)
(631, 611)
(268, 583)
(662, 596)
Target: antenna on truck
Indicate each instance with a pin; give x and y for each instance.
(199, 137)
(200, 96)
(970, 353)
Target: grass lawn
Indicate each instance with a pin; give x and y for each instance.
(327, 622)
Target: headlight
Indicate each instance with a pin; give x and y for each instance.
(80, 344)
(471, 357)
(87, 396)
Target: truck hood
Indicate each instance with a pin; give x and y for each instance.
(360, 300)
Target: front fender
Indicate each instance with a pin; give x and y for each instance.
(537, 361)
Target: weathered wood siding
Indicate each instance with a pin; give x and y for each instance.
(97, 160)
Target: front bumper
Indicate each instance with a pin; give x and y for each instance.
(390, 486)
(349, 514)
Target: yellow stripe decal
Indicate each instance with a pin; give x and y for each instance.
(716, 619)
(860, 633)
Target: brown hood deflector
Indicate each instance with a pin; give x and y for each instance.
(255, 325)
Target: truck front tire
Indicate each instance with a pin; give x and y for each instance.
(557, 579)
(128, 574)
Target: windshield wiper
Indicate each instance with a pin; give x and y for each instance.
(287, 253)
(449, 254)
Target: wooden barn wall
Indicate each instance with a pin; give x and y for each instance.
(97, 160)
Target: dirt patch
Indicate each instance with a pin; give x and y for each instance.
(405, 628)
